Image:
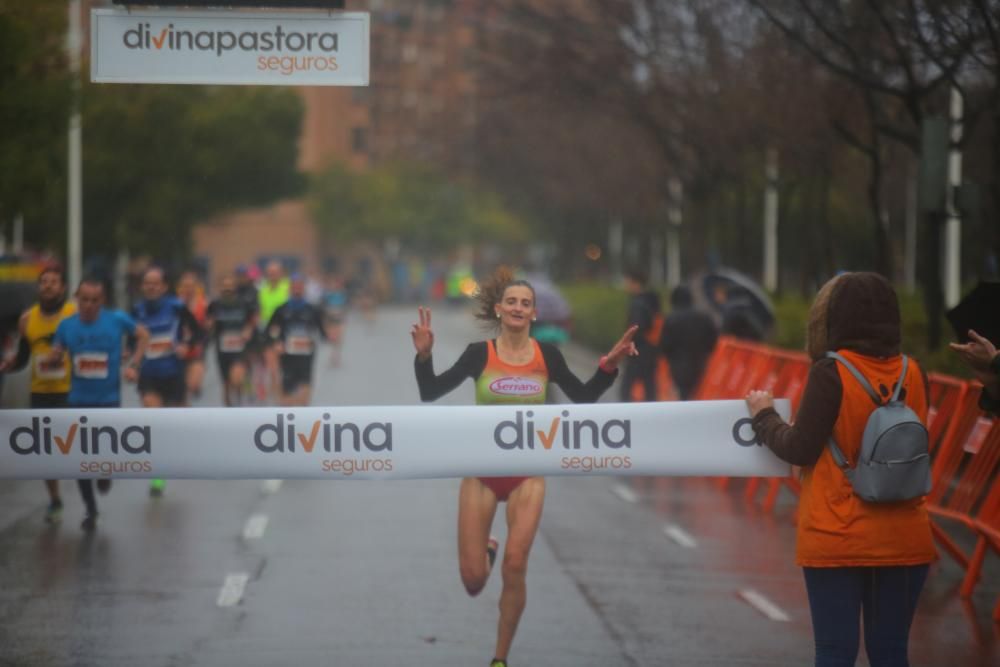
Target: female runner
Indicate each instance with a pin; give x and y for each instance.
(509, 305)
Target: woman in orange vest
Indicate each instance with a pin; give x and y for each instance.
(511, 369)
(861, 560)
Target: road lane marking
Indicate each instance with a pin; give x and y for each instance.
(255, 527)
(270, 486)
(625, 493)
(680, 536)
(232, 589)
(759, 602)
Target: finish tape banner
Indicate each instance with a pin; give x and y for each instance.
(702, 438)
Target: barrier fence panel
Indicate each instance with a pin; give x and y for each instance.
(946, 395)
(984, 516)
(958, 470)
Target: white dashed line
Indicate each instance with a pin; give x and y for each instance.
(270, 486)
(763, 605)
(232, 589)
(255, 527)
(680, 536)
(625, 493)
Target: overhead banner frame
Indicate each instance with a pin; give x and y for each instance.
(694, 438)
(202, 46)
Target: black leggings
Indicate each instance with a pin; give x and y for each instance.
(86, 486)
(87, 493)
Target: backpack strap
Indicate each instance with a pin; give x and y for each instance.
(838, 455)
(865, 384)
(899, 382)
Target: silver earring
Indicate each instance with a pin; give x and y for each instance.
(498, 316)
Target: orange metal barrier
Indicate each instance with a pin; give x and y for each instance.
(987, 523)
(958, 471)
(946, 395)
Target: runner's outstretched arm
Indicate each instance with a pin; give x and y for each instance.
(603, 378)
(431, 386)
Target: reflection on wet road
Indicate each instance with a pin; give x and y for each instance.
(625, 571)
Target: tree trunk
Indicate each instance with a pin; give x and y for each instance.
(883, 256)
(930, 278)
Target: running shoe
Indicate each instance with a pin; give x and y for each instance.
(497, 662)
(156, 488)
(53, 513)
(492, 545)
(89, 522)
(103, 486)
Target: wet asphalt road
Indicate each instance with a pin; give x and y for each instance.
(624, 571)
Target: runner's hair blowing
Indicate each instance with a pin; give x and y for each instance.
(491, 292)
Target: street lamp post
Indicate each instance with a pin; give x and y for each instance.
(771, 223)
(74, 212)
(953, 220)
(675, 216)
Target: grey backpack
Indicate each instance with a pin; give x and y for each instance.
(894, 463)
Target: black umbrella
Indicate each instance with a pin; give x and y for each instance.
(979, 310)
(739, 288)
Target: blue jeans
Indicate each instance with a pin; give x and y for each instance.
(886, 598)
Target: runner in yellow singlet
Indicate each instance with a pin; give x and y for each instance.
(50, 380)
(512, 368)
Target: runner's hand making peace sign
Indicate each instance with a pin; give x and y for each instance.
(423, 336)
(623, 348)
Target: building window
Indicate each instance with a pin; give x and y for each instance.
(359, 139)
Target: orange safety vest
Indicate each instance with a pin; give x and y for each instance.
(838, 529)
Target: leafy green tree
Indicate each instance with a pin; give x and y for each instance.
(158, 159)
(416, 206)
(34, 112)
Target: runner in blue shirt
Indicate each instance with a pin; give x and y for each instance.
(93, 338)
(172, 330)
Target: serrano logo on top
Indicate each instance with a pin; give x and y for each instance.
(94, 441)
(516, 386)
(283, 435)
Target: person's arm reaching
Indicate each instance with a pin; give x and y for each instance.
(801, 443)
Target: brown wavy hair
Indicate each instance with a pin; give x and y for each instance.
(491, 292)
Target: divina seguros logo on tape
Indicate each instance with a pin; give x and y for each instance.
(284, 436)
(278, 49)
(41, 439)
(569, 435)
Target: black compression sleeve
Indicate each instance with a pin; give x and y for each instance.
(469, 365)
(577, 391)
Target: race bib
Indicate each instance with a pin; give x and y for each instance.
(91, 365)
(160, 346)
(49, 370)
(231, 343)
(299, 345)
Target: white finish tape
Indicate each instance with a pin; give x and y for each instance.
(385, 442)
